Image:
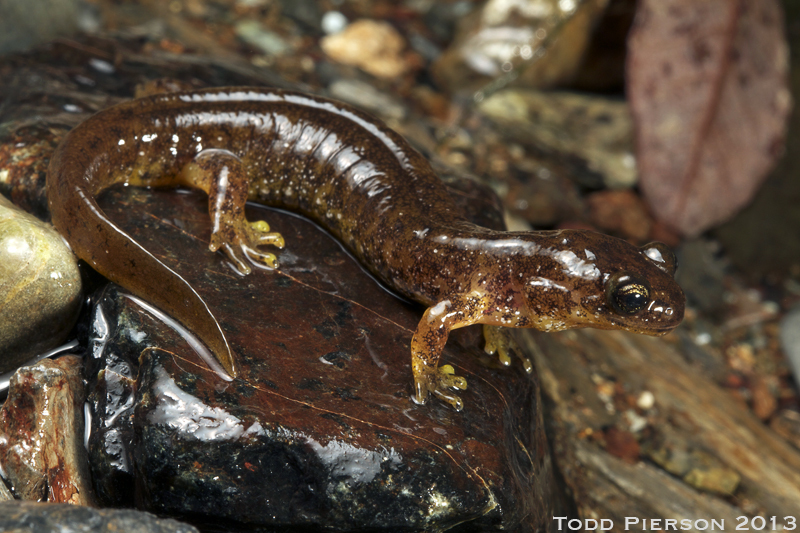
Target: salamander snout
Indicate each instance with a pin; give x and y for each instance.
(654, 302)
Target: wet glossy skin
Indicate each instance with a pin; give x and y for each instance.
(369, 188)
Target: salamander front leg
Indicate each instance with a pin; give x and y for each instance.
(427, 345)
(222, 175)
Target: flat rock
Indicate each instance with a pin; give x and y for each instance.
(319, 429)
(40, 287)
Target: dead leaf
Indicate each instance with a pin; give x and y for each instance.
(708, 87)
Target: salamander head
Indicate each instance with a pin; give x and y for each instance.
(593, 280)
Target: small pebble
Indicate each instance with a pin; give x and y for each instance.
(646, 400)
(722, 481)
(636, 423)
(373, 46)
(333, 22)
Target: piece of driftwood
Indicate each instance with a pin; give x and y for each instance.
(689, 411)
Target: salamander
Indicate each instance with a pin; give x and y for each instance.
(369, 188)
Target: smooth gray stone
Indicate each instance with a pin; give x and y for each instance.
(40, 287)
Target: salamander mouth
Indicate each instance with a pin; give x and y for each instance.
(659, 331)
(653, 330)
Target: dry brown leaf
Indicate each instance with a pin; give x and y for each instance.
(707, 82)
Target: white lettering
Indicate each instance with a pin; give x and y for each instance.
(629, 521)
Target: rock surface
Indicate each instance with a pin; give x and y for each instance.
(40, 287)
(319, 430)
(32, 517)
(42, 455)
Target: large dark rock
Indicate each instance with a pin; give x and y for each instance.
(319, 429)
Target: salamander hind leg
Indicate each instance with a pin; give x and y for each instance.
(499, 342)
(223, 177)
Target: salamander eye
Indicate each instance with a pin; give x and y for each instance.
(661, 256)
(627, 293)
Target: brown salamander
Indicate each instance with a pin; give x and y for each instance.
(362, 182)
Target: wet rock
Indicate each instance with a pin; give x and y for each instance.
(40, 287)
(546, 39)
(319, 430)
(111, 397)
(31, 517)
(373, 46)
(593, 133)
(42, 454)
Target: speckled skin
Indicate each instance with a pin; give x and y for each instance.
(369, 188)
